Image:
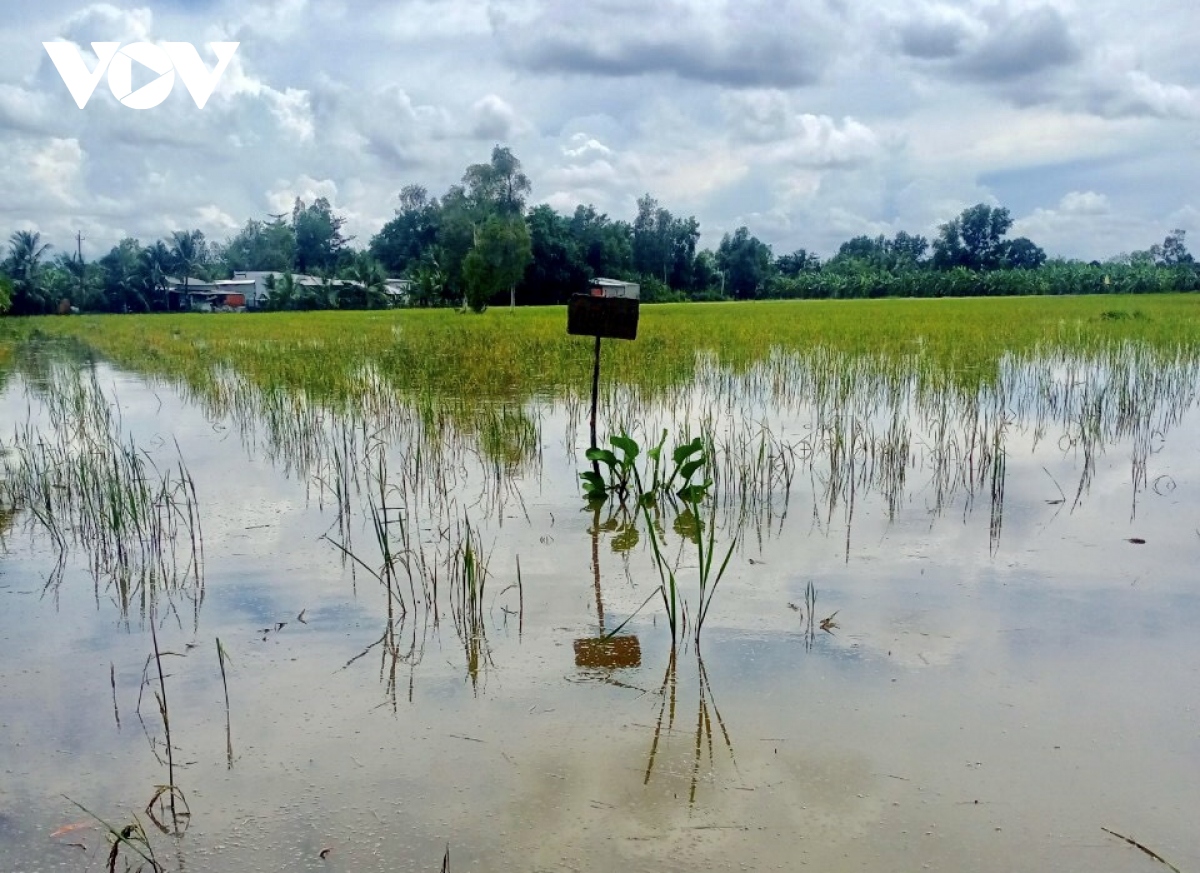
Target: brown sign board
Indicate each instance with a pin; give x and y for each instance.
(612, 317)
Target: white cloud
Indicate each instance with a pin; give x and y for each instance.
(43, 177)
(103, 22)
(494, 118)
(282, 196)
(808, 122)
(1083, 203)
(583, 145)
(1086, 225)
(213, 220)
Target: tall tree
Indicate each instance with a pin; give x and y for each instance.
(81, 281)
(556, 270)
(153, 270)
(260, 245)
(707, 274)
(189, 256)
(799, 261)
(25, 253)
(649, 242)
(496, 261)
(320, 244)
(683, 234)
(606, 246)
(119, 271)
(746, 262)
(403, 241)
(975, 239)
(1021, 254)
(498, 185)
(861, 252)
(457, 230)
(907, 251)
(1173, 251)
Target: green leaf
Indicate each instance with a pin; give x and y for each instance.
(682, 453)
(689, 469)
(594, 487)
(626, 445)
(602, 455)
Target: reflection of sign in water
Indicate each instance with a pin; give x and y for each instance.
(608, 653)
(605, 651)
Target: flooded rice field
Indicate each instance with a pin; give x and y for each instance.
(905, 621)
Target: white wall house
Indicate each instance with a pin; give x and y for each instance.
(614, 288)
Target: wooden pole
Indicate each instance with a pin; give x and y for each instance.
(596, 566)
(595, 398)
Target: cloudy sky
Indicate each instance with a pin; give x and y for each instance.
(809, 121)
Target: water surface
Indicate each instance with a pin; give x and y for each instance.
(1011, 663)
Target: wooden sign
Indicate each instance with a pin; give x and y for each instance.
(612, 317)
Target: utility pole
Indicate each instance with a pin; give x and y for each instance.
(79, 255)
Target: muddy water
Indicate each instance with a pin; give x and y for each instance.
(997, 683)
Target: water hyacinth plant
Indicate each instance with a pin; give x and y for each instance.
(686, 483)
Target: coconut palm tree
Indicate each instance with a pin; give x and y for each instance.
(281, 292)
(369, 275)
(25, 266)
(188, 253)
(120, 270)
(155, 261)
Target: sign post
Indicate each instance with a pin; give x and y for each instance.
(610, 310)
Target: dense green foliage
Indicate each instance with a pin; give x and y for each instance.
(479, 243)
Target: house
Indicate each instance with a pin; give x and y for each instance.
(250, 289)
(204, 296)
(398, 291)
(614, 288)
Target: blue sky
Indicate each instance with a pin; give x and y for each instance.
(809, 122)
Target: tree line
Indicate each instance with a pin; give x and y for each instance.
(478, 245)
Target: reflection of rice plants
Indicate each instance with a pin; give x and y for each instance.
(423, 549)
(168, 808)
(87, 486)
(467, 572)
(808, 616)
(706, 714)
